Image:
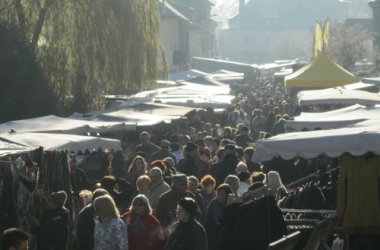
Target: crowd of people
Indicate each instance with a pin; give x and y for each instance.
(170, 195)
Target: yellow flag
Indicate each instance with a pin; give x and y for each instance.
(326, 35)
(318, 40)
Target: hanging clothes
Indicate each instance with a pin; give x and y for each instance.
(252, 226)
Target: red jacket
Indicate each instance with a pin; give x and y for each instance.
(151, 239)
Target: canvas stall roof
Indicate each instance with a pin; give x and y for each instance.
(138, 118)
(184, 75)
(8, 148)
(337, 96)
(206, 101)
(55, 124)
(211, 65)
(189, 89)
(204, 80)
(159, 109)
(320, 73)
(61, 141)
(133, 111)
(333, 143)
(227, 76)
(374, 80)
(334, 119)
(359, 86)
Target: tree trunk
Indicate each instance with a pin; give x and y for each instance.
(20, 16)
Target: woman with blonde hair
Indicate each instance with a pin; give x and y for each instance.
(275, 186)
(137, 168)
(143, 184)
(110, 231)
(144, 230)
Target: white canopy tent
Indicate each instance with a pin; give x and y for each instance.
(138, 118)
(55, 124)
(60, 141)
(332, 143)
(338, 95)
(184, 75)
(188, 88)
(214, 94)
(141, 113)
(158, 109)
(334, 119)
(8, 148)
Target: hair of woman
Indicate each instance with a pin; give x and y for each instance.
(105, 208)
(133, 166)
(144, 200)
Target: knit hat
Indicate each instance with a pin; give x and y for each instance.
(179, 179)
(189, 205)
(190, 146)
(59, 198)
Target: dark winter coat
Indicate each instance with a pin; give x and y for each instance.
(187, 236)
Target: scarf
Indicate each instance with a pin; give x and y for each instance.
(138, 226)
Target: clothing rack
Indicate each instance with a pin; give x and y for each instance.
(302, 180)
(310, 211)
(309, 177)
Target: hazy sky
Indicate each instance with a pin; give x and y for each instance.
(225, 9)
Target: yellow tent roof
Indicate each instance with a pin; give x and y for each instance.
(320, 73)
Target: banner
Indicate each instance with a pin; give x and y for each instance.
(318, 40)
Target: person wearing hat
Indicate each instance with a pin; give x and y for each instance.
(191, 163)
(167, 203)
(163, 152)
(187, 232)
(53, 230)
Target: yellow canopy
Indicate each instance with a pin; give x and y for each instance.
(320, 73)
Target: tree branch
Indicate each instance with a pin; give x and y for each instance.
(41, 20)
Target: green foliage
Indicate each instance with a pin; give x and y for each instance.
(26, 91)
(92, 47)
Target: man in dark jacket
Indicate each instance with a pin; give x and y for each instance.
(85, 223)
(78, 177)
(192, 164)
(243, 139)
(167, 203)
(146, 146)
(227, 166)
(53, 231)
